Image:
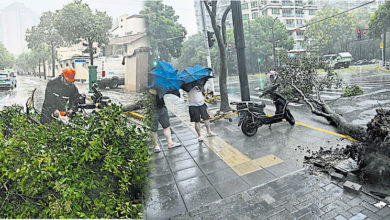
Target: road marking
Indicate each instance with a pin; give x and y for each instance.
(239, 162)
(321, 129)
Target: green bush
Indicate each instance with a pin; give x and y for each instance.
(352, 90)
(96, 168)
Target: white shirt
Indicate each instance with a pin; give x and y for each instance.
(195, 97)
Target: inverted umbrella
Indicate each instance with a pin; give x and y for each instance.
(194, 76)
(165, 79)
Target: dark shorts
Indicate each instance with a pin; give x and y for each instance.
(196, 112)
(161, 115)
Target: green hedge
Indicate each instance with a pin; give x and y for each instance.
(96, 168)
(352, 90)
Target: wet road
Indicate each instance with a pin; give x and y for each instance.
(26, 84)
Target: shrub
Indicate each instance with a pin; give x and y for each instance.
(96, 168)
(352, 90)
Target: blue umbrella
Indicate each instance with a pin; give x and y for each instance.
(194, 76)
(165, 79)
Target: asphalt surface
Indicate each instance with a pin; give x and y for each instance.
(226, 176)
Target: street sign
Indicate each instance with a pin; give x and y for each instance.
(381, 45)
(259, 60)
(80, 61)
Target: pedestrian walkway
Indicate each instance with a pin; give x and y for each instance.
(201, 180)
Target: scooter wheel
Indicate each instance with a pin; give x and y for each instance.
(290, 118)
(248, 127)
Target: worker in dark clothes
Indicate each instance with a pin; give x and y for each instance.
(60, 91)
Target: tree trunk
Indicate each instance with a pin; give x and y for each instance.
(39, 67)
(90, 48)
(53, 61)
(44, 66)
(343, 125)
(384, 47)
(222, 53)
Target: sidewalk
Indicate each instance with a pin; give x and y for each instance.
(212, 180)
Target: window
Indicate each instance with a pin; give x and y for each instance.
(253, 4)
(299, 13)
(299, 22)
(287, 3)
(312, 12)
(290, 23)
(244, 6)
(255, 15)
(263, 2)
(275, 11)
(265, 12)
(275, 1)
(311, 2)
(287, 12)
(298, 3)
(245, 17)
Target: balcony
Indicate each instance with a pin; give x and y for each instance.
(299, 37)
(299, 4)
(299, 15)
(290, 25)
(288, 15)
(287, 3)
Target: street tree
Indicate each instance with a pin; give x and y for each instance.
(299, 79)
(27, 61)
(220, 35)
(165, 34)
(6, 58)
(331, 34)
(35, 42)
(258, 34)
(380, 24)
(50, 35)
(76, 23)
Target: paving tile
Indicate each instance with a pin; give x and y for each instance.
(358, 216)
(231, 187)
(172, 158)
(196, 146)
(212, 166)
(183, 164)
(164, 202)
(221, 176)
(201, 197)
(204, 151)
(187, 173)
(207, 158)
(161, 180)
(284, 168)
(246, 168)
(190, 142)
(157, 171)
(193, 184)
(268, 161)
(258, 177)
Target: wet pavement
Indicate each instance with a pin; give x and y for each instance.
(261, 177)
(26, 84)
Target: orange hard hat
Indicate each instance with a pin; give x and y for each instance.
(69, 74)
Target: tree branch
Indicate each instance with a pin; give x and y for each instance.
(223, 23)
(313, 109)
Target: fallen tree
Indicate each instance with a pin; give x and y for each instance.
(300, 79)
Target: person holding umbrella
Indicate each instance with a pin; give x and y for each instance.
(194, 79)
(165, 81)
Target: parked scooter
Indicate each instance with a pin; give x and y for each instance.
(252, 114)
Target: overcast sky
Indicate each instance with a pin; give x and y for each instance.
(184, 8)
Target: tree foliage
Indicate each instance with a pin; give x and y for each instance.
(165, 34)
(299, 79)
(95, 169)
(76, 22)
(258, 37)
(330, 35)
(380, 21)
(6, 58)
(27, 61)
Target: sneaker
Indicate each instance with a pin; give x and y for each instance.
(157, 150)
(174, 145)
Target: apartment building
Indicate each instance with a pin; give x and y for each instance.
(292, 13)
(349, 4)
(222, 5)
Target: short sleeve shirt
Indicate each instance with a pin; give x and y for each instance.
(195, 97)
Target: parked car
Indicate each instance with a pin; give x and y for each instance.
(373, 61)
(7, 80)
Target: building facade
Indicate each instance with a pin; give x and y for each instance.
(292, 13)
(14, 21)
(349, 4)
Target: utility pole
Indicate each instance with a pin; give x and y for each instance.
(240, 47)
(273, 41)
(384, 48)
(208, 57)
